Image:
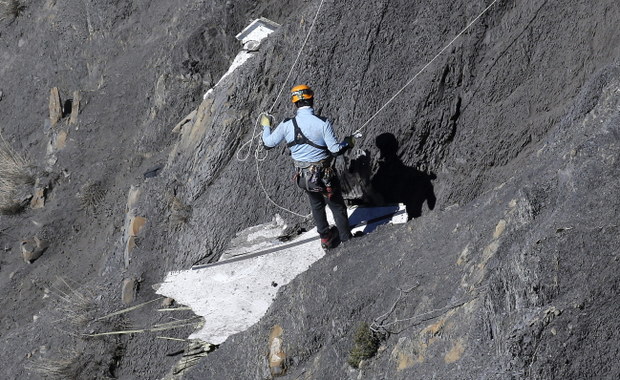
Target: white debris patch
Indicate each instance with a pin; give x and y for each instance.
(257, 31)
(234, 294)
(367, 219)
(239, 60)
(251, 38)
(255, 238)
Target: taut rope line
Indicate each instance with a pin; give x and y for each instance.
(426, 66)
(255, 135)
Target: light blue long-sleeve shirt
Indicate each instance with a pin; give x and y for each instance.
(317, 130)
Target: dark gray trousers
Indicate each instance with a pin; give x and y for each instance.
(339, 209)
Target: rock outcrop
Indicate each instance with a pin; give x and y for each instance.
(505, 286)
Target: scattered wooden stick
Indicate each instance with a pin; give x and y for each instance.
(127, 310)
(174, 309)
(124, 332)
(155, 328)
(169, 338)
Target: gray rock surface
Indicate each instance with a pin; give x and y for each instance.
(519, 279)
(514, 131)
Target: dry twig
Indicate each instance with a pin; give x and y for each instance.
(380, 326)
(155, 328)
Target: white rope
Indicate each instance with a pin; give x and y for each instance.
(250, 141)
(426, 66)
(303, 45)
(258, 158)
(259, 148)
(282, 87)
(260, 181)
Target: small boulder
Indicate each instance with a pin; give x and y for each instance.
(32, 249)
(277, 356)
(75, 108)
(55, 106)
(136, 225)
(167, 302)
(38, 199)
(129, 290)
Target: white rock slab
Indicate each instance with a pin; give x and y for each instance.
(233, 295)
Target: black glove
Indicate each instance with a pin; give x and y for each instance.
(350, 141)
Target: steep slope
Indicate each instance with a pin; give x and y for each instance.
(519, 283)
(481, 117)
(462, 120)
(137, 67)
(514, 124)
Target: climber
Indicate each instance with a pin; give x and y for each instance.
(313, 145)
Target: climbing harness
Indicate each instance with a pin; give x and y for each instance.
(301, 139)
(315, 177)
(310, 179)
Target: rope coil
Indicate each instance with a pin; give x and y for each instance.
(248, 144)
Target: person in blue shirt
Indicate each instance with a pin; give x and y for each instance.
(313, 144)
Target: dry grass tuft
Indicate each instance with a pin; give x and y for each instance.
(91, 194)
(63, 368)
(180, 213)
(15, 173)
(366, 344)
(11, 9)
(77, 307)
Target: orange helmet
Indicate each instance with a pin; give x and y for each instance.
(301, 92)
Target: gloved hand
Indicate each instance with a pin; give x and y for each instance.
(265, 121)
(350, 140)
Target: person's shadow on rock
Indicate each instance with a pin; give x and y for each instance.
(396, 182)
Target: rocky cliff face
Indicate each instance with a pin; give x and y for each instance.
(509, 285)
(514, 129)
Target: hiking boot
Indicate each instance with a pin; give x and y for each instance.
(330, 239)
